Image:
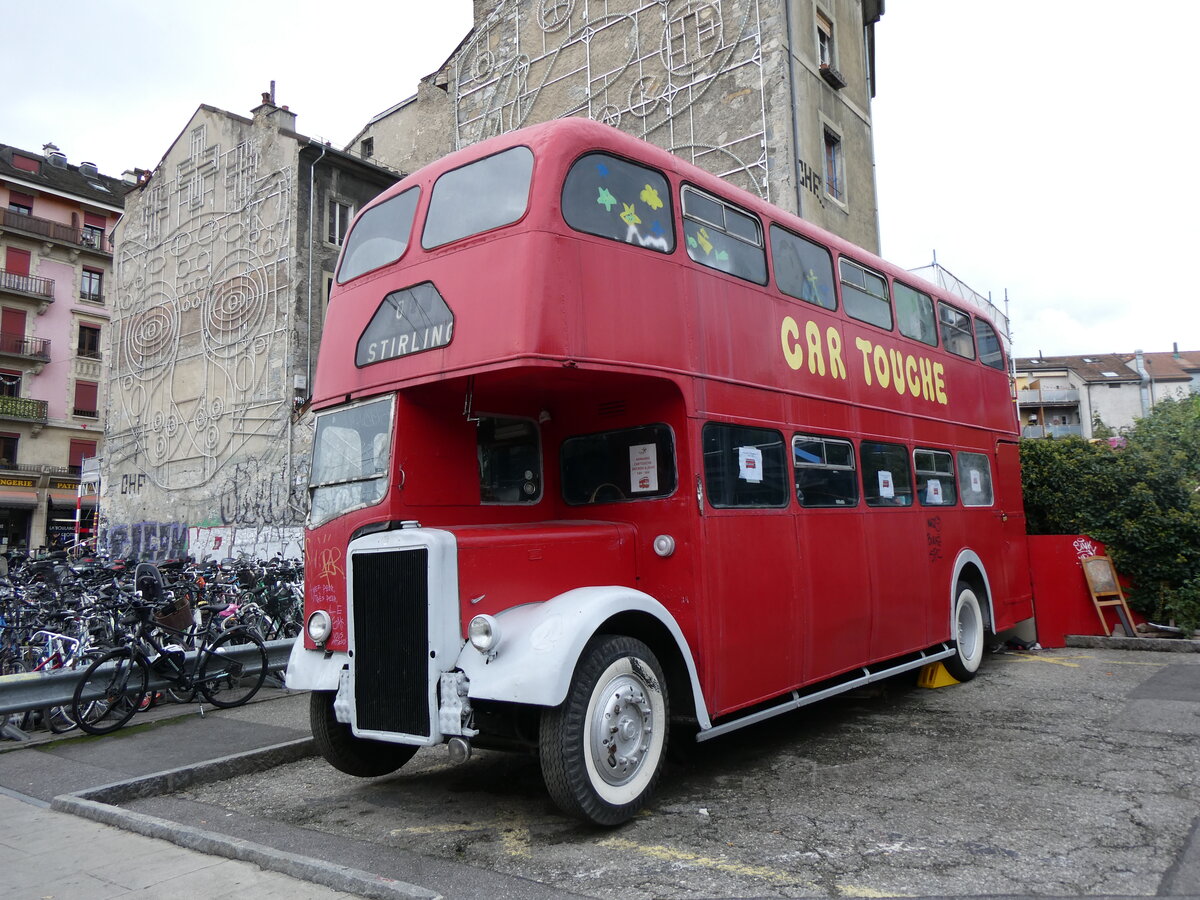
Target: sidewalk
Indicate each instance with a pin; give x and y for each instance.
(47, 854)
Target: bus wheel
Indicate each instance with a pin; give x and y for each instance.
(347, 753)
(602, 750)
(967, 638)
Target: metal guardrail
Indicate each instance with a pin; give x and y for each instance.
(38, 690)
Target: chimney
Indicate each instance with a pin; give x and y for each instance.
(89, 168)
(267, 111)
(54, 156)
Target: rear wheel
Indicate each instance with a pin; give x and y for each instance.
(602, 750)
(968, 635)
(347, 753)
(234, 669)
(111, 691)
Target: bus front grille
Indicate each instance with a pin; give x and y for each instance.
(391, 641)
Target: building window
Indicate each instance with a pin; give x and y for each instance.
(91, 285)
(10, 383)
(367, 147)
(834, 167)
(20, 203)
(86, 399)
(93, 231)
(80, 450)
(824, 40)
(8, 450)
(89, 341)
(339, 215)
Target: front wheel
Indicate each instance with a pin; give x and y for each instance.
(355, 756)
(968, 635)
(233, 669)
(111, 690)
(602, 749)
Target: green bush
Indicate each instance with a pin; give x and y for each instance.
(1141, 499)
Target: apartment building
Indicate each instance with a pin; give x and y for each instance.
(56, 265)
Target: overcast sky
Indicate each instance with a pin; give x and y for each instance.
(1041, 147)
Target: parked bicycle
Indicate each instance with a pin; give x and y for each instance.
(227, 669)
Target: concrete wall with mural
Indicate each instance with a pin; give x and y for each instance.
(735, 86)
(202, 431)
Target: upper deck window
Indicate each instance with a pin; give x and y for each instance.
(618, 200)
(479, 197)
(914, 314)
(721, 236)
(629, 464)
(990, 353)
(956, 331)
(865, 294)
(380, 236)
(802, 269)
(351, 451)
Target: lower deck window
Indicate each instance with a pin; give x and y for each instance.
(974, 479)
(825, 473)
(613, 466)
(886, 479)
(744, 467)
(935, 477)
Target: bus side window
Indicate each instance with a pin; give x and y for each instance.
(611, 466)
(744, 467)
(935, 477)
(990, 353)
(865, 294)
(974, 479)
(825, 473)
(618, 200)
(802, 269)
(956, 331)
(886, 479)
(914, 314)
(723, 237)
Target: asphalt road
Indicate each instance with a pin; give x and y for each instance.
(1066, 772)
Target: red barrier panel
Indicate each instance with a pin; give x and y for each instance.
(1061, 600)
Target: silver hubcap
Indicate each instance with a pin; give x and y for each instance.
(622, 726)
(968, 632)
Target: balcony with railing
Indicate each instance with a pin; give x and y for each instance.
(29, 286)
(1052, 431)
(1049, 397)
(25, 347)
(87, 237)
(25, 409)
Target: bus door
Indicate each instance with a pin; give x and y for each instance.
(1017, 586)
(750, 565)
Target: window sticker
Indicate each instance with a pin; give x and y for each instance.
(643, 468)
(887, 487)
(933, 492)
(750, 464)
(976, 481)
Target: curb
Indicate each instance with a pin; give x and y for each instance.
(99, 804)
(1168, 645)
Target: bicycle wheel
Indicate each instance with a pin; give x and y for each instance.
(111, 691)
(58, 719)
(233, 669)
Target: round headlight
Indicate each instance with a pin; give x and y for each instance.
(320, 626)
(484, 633)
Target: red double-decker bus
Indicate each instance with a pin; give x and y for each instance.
(606, 448)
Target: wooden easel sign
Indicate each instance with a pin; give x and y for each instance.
(1106, 591)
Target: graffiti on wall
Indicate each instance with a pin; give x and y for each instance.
(641, 67)
(167, 540)
(145, 540)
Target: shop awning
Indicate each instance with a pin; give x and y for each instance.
(21, 499)
(67, 498)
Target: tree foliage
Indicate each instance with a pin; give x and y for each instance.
(1142, 500)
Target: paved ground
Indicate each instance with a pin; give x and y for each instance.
(1064, 773)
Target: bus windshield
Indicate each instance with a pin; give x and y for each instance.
(351, 451)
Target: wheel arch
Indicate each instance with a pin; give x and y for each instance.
(541, 645)
(969, 567)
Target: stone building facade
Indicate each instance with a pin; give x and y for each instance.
(773, 95)
(223, 262)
